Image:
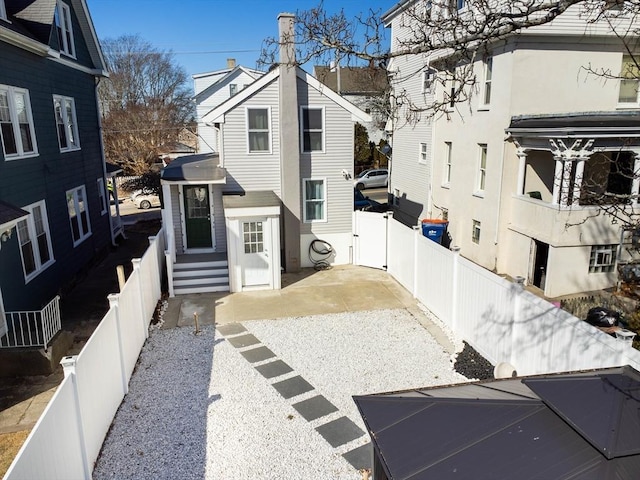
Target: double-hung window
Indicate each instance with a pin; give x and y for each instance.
(315, 200)
(629, 81)
(65, 111)
(65, 29)
(482, 169)
(428, 76)
(312, 129)
(258, 126)
(16, 123)
(422, 154)
(35, 240)
(447, 166)
(486, 86)
(603, 258)
(78, 214)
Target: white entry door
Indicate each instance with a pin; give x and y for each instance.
(256, 248)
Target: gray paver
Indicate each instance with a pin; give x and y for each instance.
(292, 386)
(340, 431)
(274, 369)
(231, 329)
(359, 457)
(243, 340)
(315, 407)
(258, 354)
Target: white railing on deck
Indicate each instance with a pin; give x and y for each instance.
(32, 328)
(95, 382)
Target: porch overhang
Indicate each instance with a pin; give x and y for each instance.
(203, 168)
(608, 130)
(248, 204)
(10, 215)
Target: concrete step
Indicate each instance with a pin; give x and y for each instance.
(199, 280)
(200, 272)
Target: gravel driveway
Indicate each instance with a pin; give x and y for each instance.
(199, 407)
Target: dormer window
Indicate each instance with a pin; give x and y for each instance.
(65, 29)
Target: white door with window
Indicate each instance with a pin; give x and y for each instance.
(255, 252)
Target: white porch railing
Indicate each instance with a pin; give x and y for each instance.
(32, 328)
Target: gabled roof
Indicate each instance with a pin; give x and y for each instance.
(216, 115)
(228, 74)
(547, 427)
(31, 26)
(354, 80)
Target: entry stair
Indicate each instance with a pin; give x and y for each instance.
(201, 273)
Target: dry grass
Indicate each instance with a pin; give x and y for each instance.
(10, 443)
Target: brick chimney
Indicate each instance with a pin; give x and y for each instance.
(231, 63)
(289, 143)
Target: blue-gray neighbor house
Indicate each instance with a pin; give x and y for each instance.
(55, 214)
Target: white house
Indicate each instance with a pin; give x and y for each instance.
(213, 88)
(512, 168)
(280, 182)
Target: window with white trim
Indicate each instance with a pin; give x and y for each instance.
(312, 129)
(422, 154)
(603, 258)
(35, 240)
(16, 123)
(482, 168)
(64, 28)
(315, 200)
(258, 128)
(629, 81)
(233, 89)
(78, 214)
(475, 232)
(67, 126)
(447, 164)
(102, 196)
(486, 85)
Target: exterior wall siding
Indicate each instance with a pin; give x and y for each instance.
(50, 174)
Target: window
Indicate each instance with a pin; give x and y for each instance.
(253, 237)
(102, 196)
(475, 232)
(315, 205)
(603, 258)
(482, 168)
(422, 156)
(65, 111)
(16, 123)
(428, 76)
(258, 120)
(233, 89)
(65, 29)
(312, 129)
(3, 12)
(78, 214)
(35, 240)
(629, 80)
(488, 71)
(447, 165)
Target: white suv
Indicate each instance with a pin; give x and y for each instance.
(377, 177)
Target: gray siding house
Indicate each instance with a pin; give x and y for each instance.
(278, 191)
(54, 209)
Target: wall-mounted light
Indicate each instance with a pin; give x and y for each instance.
(346, 174)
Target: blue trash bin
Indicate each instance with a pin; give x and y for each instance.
(434, 229)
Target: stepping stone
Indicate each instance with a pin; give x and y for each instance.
(315, 407)
(257, 354)
(340, 431)
(292, 387)
(243, 341)
(231, 329)
(274, 369)
(360, 457)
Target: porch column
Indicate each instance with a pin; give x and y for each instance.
(577, 180)
(557, 180)
(522, 164)
(635, 185)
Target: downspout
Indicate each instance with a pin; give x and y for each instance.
(104, 167)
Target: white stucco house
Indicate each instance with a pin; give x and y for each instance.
(511, 169)
(213, 88)
(280, 180)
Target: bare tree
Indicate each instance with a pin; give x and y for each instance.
(145, 102)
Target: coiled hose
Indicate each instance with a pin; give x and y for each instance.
(319, 253)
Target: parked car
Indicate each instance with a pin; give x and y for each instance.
(145, 199)
(360, 202)
(376, 177)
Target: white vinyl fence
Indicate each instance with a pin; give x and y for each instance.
(66, 440)
(498, 318)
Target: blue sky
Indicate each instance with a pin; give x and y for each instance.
(204, 33)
